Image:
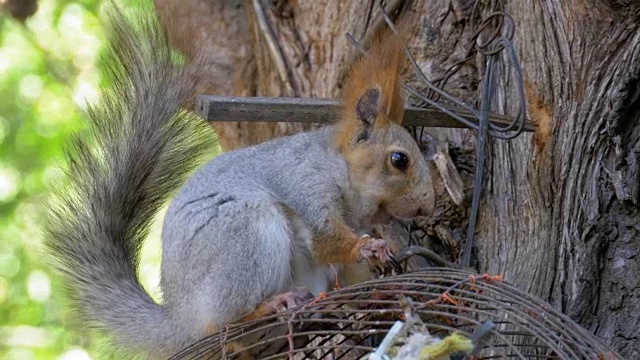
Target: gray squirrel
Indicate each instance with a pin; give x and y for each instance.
(250, 233)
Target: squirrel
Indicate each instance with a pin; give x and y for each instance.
(253, 231)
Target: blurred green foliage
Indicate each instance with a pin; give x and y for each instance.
(47, 75)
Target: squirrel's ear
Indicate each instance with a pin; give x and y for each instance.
(368, 107)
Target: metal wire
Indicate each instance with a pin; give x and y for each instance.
(499, 40)
(350, 322)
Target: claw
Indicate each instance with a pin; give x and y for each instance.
(376, 252)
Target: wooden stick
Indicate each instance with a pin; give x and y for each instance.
(449, 173)
(307, 110)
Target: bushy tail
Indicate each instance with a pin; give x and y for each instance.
(139, 148)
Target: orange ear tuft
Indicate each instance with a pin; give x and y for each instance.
(372, 95)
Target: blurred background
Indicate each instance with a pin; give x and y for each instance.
(47, 76)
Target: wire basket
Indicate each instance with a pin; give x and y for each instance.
(350, 322)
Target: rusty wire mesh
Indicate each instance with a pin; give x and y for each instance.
(349, 323)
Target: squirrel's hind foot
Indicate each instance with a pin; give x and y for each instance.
(290, 299)
(282, 302)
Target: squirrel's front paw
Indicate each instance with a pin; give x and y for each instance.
(376, 252)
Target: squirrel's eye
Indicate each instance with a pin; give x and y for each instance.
(400, 161)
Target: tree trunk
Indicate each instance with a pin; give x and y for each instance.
(559, 214)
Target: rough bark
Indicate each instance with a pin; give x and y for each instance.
(559, 215)
(571, 208)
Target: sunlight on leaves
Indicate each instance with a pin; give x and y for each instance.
(47, 75)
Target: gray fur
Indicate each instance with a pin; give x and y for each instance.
(279, 193)
(240, 230)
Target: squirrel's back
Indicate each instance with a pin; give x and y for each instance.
(280, 162)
